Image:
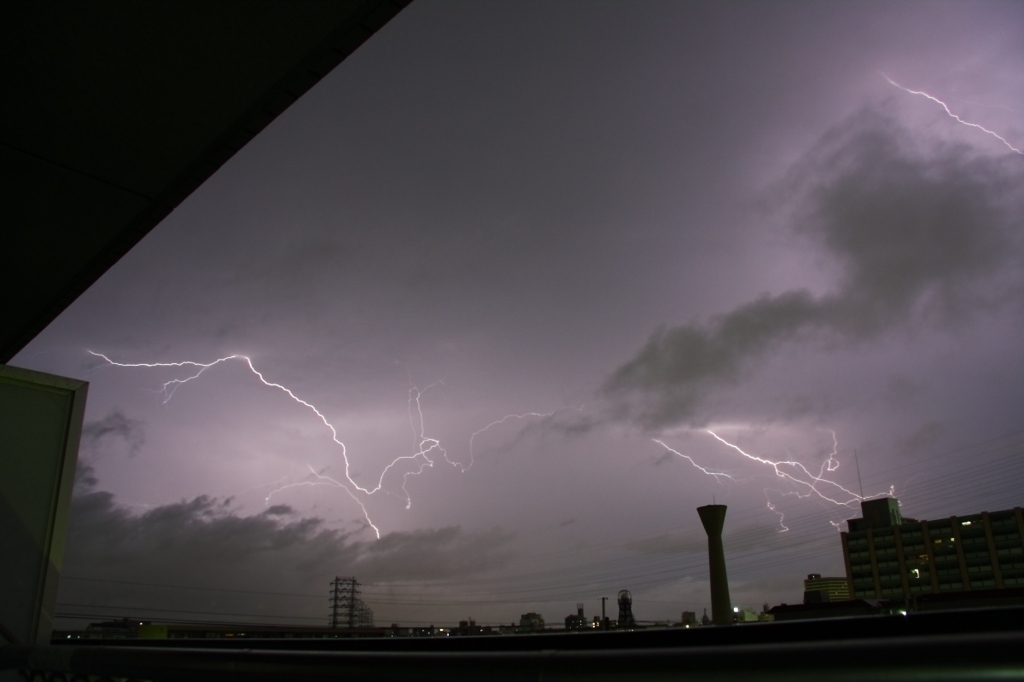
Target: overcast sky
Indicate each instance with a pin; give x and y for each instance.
(648, 230)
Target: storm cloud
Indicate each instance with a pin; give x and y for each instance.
(210, 561)
(920, 234)
(630, 217)
(116, 430)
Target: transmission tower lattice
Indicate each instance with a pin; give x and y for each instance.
(347, 609)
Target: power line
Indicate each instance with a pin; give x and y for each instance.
(995, 469)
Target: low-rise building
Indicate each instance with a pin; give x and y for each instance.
(531, 622)
(818, 589)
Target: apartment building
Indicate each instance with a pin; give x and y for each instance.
(889, 557)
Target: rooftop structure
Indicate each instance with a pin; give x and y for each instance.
(818, 589)
(889, 557)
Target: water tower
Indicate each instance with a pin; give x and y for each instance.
(713, 518)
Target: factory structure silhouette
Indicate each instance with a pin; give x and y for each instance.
(893, 565)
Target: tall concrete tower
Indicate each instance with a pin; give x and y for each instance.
(713, 518)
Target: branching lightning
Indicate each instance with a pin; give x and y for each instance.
(311, 480)
(320, 479)
(831, 463)
(466, 467)
(715, 474)
(807, 483)
(801, 476)
(424, 444)
(783, 528)
(954, 116)
(169, 387)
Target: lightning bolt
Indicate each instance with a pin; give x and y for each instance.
(807, 483)
(349, 486)
(782, 517)
(831, 463)
(954, 116)
(289, 486)
(425, 445)
(320, 479)
(466, 467)
(798, 474)
(689, 459)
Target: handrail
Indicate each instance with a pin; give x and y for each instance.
(947, 657)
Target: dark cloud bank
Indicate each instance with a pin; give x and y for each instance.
(923, 235)
(126, 563)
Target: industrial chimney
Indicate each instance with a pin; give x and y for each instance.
(713, 518)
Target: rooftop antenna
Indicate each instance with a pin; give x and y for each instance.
(856, 460)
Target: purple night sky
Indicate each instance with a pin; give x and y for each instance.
(639, 222)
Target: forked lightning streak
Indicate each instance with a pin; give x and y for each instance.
(425, 444)
(954, 116)
(807, 483)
